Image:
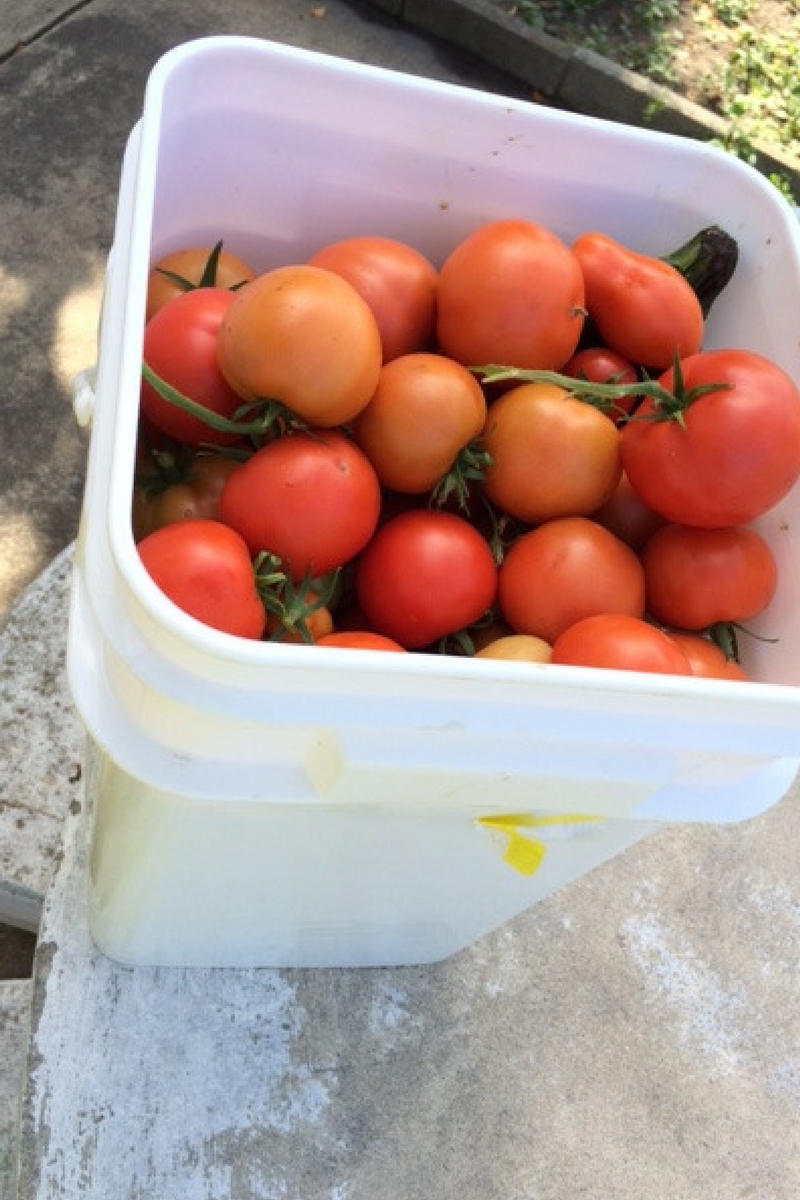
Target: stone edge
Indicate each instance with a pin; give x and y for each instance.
(578, 79)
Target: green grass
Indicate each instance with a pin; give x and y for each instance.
(753, 83)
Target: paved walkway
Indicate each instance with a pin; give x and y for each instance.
(634, 1036)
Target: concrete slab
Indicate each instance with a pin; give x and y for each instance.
(635, 1035)
(15, 1008)
(41, 743)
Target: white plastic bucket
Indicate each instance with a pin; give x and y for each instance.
(262, 804)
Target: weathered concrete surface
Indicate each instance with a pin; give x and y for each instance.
(15, 1009)
(68, 100)
(41, 743)
(634, 1036)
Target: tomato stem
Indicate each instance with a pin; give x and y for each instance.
(289, 603)
(207, 279)
(669, 405)
(272, 415)
(469, 466)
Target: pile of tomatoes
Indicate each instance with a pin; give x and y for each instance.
(523, 452)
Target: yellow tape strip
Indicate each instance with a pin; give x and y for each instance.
(525, 854)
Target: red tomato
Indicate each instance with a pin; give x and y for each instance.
(205, 568)
(622, 643)
(183, 270)
(733, 454)
(303, 336)
(706, 658)
(511, 292)
(641, 306)
(599, 364)
(180, 345)
(424, 575)
(310, 498)
(627, 515)
(695, 578)
(360, 639)
(564, 570)
(551, 455)
(397, 282)
(425, 410)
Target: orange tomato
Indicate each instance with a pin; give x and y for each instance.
(551, 455)
(512, 293)
(564, 570)
(190, 265)
(706, 658)
(424, 411)
(303, 336)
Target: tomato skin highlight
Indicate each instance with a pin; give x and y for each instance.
(180, 345)
(205, 569)
(620, 642)
(695, 578)
(425, 574)
(397, 282)
(310, 498)
(303, 336)
(736, 453)
(511, 292)
(564, 570)
(642, 306)
(551, 455)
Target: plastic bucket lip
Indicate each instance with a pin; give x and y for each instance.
(213, 644)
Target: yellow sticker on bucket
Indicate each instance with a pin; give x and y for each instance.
(525, 854)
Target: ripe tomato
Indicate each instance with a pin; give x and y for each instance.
(622, 643)
(192, 266)
(360, 639)
(300, 627)
(706, 658)
(425, 410)
(194, 494)
(695, 578)
(564, 570)
(205, 568)
(425, 574)
(397, 282)
(180, 345)
(303, 336)
(511, 292)
(733, 454)
(641, 306)
(551, 455)
(517, 647)
(599, 364)
(310, 498)
(627, 515)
